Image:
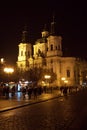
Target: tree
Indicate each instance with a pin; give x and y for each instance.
(36, 74)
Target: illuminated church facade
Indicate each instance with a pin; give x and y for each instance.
(47, 53)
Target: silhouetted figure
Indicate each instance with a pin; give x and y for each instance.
(35, 92)
(24, 92)
(29, 90)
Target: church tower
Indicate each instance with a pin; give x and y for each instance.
(54, 51)
(25, 51)
(40, 48)
(54, 42)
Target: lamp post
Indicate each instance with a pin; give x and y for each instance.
(47, 77)
(63, 79)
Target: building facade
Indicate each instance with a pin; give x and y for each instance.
(47, 53)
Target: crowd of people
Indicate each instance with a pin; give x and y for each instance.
(5, 90)
(30, 91)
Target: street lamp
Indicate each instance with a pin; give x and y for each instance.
(47, 77)
(8, 71)
(64, 80)
(2, 60)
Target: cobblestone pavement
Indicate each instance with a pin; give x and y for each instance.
(63, 113)
(36, 117)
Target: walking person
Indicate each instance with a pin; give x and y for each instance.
(24, 92)
(35, 92)
(29, 90)
(13, 91)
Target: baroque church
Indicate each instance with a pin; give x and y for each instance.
(47, 53)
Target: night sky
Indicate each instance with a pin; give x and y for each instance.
(70, 18)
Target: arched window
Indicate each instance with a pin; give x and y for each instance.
(68, 73)
(51, 47)
(56, 47)
(51, 61)
(21, 53)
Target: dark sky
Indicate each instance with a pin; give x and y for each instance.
(70, 17)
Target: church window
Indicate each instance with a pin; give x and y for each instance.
(56, 47)
(51, 47)
(68, 73)
(39, 52)
(21, 53)
(21, 65)
(51, 61)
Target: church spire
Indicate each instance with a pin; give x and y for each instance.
(45, 28)
(53, 26)
(45, 33)
(25, 35)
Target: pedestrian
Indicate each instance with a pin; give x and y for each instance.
(35, 92)
(29, 91)
(13, 91)
(24, 92)
(7, 91)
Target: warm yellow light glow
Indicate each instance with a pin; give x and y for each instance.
(66, 81)
(47, 76)
(8, 70)
(2, 60)
(63, 78)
